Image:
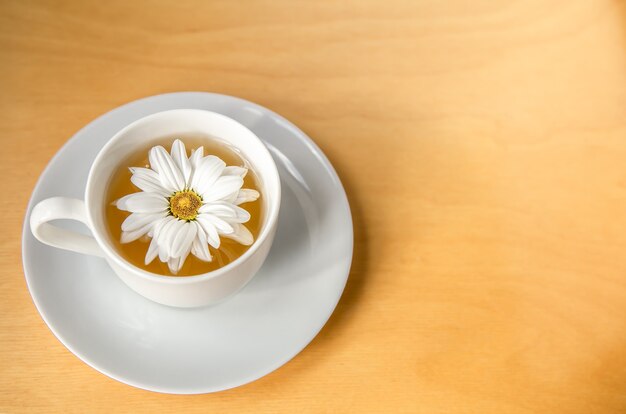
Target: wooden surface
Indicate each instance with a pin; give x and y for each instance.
(483, 148)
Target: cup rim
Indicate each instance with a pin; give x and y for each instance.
(266, 230)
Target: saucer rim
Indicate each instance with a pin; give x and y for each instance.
(312, 146)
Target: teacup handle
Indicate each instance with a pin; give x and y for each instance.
(56, 208)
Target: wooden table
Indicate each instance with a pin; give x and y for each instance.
(483, 148)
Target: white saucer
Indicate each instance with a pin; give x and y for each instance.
(189, 351)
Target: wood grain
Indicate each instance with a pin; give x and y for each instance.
(483, 148)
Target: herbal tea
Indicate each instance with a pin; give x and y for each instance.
(183, 207)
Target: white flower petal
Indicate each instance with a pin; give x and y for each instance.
(165, 237)
(222, 226)
(179, 155)
(213, 236)
(137, 220)
(241, 235)
(246, 195)
(170, 175)
(184, 256)
(200, 247)
(153, 251)
(208, 171)
(163, 254)
(226, 211)
(242, 215)
(143, 203)
(158, 227)
(148, 180)
(181, 244)
(219, 209)
(176, 263)
(131, 236)
(195, 158)
(154, 248)
(231, 198)
(234, 170)
(173, 265)
(222, 188)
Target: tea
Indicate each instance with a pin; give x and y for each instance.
(183, 206)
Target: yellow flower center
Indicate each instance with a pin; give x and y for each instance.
(184, 205)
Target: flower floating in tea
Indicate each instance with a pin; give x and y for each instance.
(186, 204)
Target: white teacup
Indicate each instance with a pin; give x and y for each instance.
(189, 291)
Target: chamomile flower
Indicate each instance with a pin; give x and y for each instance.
(185, 205)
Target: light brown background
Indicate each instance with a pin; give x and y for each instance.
(483, 148)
